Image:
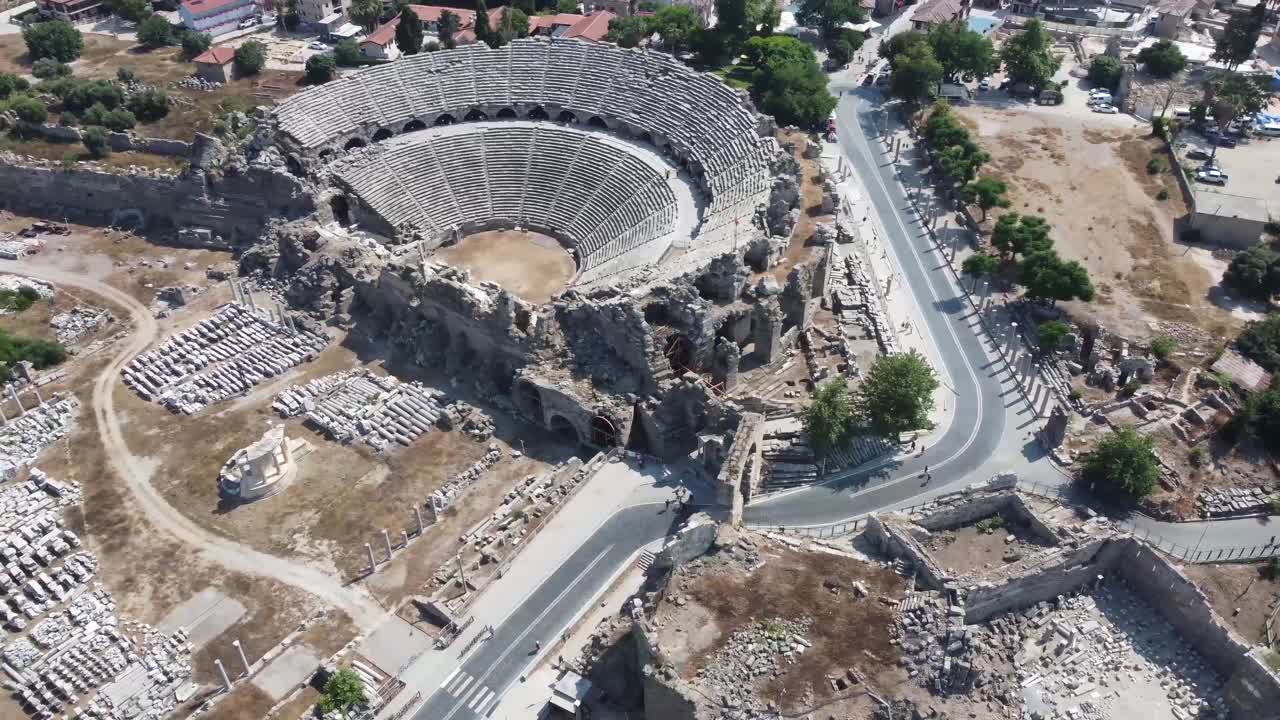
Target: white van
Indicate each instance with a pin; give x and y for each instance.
(1100, 98)
(1183, 114)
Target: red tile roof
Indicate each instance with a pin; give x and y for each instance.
(386, 33)
(220, 55)
(592, 27)
(204, 7)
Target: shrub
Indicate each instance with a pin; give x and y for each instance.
(126, 76)
(96, 142)
(1163, 194)
(1162, 59)
(40, 353)
(1123, 466)
(1105, 71)
(320, 68)
(55, 39)
(155, 32)
(1260, 342)
(195, 43)
(95, 115)
(46, 68)
(149, 105)
(119, 120)
(1162, 348)
(29, 109)
(1155, 166)
(347, 54)
(10, 84)
(79, 95)
(251, 57)
(1130, 388)
(991, 524)
(68, 119)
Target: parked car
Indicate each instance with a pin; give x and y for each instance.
(248, 23)
(869, 80)
(1106, 109)
(984, 85)
(1099, 100)
(317, 45)
(1198, 154)
(1212, 176)
(1223, 141)
(883, 79)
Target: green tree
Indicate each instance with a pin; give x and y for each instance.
(251, 57)
(1162, 348)
(155, 32)
(1028, 58)
(195, 43)
(979, 265)
(447, 27)
(1105, 71)
(1163, 59)
(320, 68)
(132, 10)
(676, 26)
(1016, 234)
(346, 53)
(96, 114)
(290, 18)
(29, 109)
(828, 420)
(1051, 334)
(843, 45)
(1123, 466)
(986, 193)
(963, 53)
(827, 16)
(1254, 273)
(898, 44)
(787, 82)
(1260, 418)
(365, 13)
(55, 39)
(79, 95)
(1045, 276)
(408, 35)
(916, 74)
(897, 395)
(119, 120)
(482, 22)
(567, 7)
(734, 22)
(342, 692)
(126, 75)
(512, 24)
(1240, 36)
(46, 68)
(627, 31)
(1260, 342)
(96, 142)
(10, 84)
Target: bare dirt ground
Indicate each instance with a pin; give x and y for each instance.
(800, 249)
(971, 550)
(1232, 587)
(531, 265)
(1094, 188)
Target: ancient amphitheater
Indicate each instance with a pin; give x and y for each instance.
(624, 156)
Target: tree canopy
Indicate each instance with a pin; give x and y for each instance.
(827, 16)
(155, 32)
(346, 53)
(979, 265)
(1051, 334)
(512, 24)
(365, 13)
(1240, 36)
(676, 25)
(251, 57)
(1254, 273)
(1105, 71)
(408, 34)
(897, 395)
(1045, 276)
(320, 68)
(1260, 418)
(963, 53)
(29, 109)
(482, 21)
(1016, 234)
(787, 82)
(131, 10)
(10, 84)
(342, 692)
(447, 27)
(1163, 59)
(916, 73)
(55, 39)
(828, 420)
(195, 43)
(1260, 342)
(842, 46)
(627, 30)
(1123, 466)
(896, 45)
(1028, 58)
(986, 193)
(96, 142)
(149, 105)
(40, 353)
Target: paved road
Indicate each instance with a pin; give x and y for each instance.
(981, 414)
(215, 548)
(474, 689)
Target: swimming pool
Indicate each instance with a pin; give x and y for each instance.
(982, 24)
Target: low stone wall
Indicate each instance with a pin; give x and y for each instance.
(120, 141)
(665, 697)
(1046, 582)
(1253, 691)
(898, 543)
(691, 541)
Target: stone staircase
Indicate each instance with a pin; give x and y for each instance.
(789, 462)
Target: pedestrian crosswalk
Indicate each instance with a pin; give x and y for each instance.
(474, 695)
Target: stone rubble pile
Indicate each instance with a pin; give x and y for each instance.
(444, 496)
(195, 82)
(78, 649)
(13, 247)
(79, 321)
(14, 283)
(757, 653)
(380, 410)
(858, 307)
(23, 438)
(938, 649)
(1224, 501)
(1073, 653)
(221, 357)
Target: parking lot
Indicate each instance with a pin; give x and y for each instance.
(1251, 166)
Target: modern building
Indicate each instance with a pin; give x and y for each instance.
(1170, 16)
(316, 12)
(939, 12)
(1233, 221)
(217, 17)
(381, 43)
(215, 64)
(73, 11)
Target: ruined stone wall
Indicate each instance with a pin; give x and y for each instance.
(1070, 573)
(744, 458)
(984, 506)
(235, 207)
(692, 540)
(664, 697)
(1253, 691)
(896, 542)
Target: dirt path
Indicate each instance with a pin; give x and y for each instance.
(232, 555)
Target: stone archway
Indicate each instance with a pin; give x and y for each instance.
(414, 126)
(341, 210)
(506, 114)
(678, 350)
(603, 432)
(476, 115)
(645, 137)
(445, 119)
(538, 114)
(564, 430)
(382, 134)
(529, 400)
(598, 122)
(293, 166)
(354, 143)
(567, 117)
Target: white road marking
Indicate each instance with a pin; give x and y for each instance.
(446, 680)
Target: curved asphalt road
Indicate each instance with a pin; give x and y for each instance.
(980, 415)
(475, 688)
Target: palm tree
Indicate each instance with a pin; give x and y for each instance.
(366, 13)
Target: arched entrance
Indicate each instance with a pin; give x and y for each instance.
(476, 115)
(341, 210)
(598, 122)
(678, 351)
(538, 114)
(506, 114)
(603, 432)
(564, 430)
(354, 143)
(381, 135)
(445, 119)
(414, 126)
(567, 117)
(295, 168)
(529, 400)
